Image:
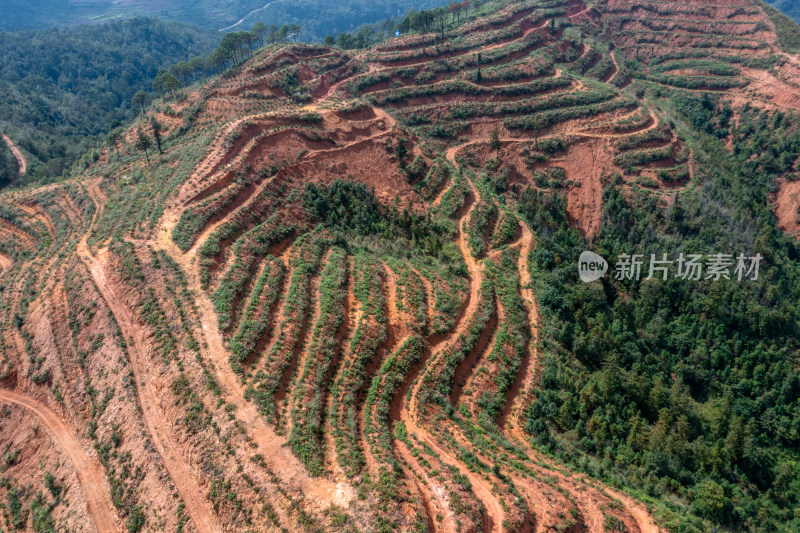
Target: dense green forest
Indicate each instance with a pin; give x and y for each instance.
(785, 15)
(320, 18)
(684, 388)
(317, 17)
(790, 7)
(9, 168)
(40, 14)
(64, 89)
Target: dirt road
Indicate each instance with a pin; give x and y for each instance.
(89, 473)
(482, 489)
(197, 506)
(23, 165)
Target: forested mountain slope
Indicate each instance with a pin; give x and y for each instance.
(64, 89)
(9, 166)
(318, 17)
(789, 7)
(338, 290)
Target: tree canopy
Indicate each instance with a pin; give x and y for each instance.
(64, 89)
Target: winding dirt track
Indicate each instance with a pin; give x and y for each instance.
(529, 368)
(511, 420)
(197, 506)
(281, 460)
(616, 68)
(334, 88)
(23, 165)
(483, 490)
(89, 473)
(523, 389)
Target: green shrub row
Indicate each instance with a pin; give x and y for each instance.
(698, 82)
(636, 121)
(710, 66)
(449, 288)
(479, 226)
(506, 228)
(454, 197)
(260, 311)
(511, 341)
(264, 390)
(550, 118)
(629, 161)
(436, 178)
(306, 437)
(411, 296)
(675, 174)
(654, 135)
(369, 335)
(602, 69)
(437, 382)
(377, 424)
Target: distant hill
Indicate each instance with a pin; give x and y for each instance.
(65, 88)
(789, 7)
(318, 17)
(324, 17)
(40, 14)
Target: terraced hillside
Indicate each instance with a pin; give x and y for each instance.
(327, 300)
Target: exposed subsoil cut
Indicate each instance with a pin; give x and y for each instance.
(787, 201)
(586, 162)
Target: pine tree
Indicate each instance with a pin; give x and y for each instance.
(494, 141)
(156, 125)
(139, 100)
(143, 144)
